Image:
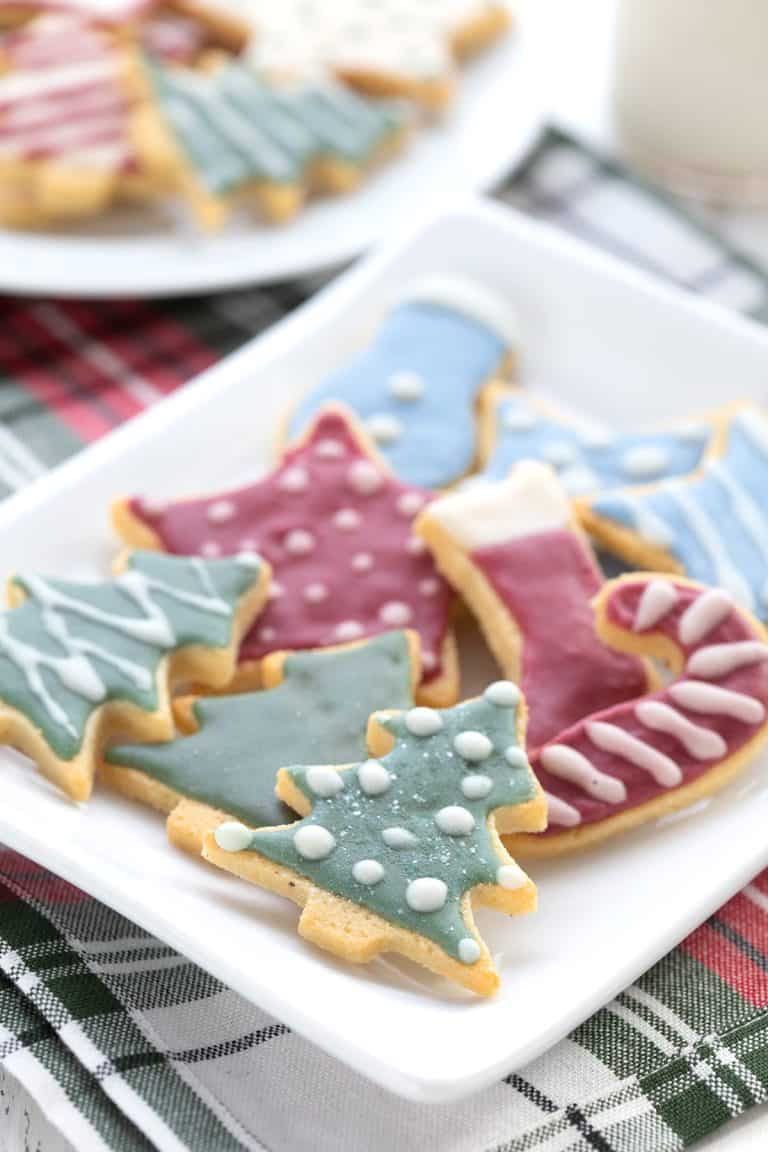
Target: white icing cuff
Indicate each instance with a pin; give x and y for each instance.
(530, 500)
(471, 300)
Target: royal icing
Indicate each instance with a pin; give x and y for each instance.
(518, 536)
(524, 428)
(267, 512)
(69, 648)
(448, 335)
(431, 842)
(319, 711)
(714, 526)
(670, 738)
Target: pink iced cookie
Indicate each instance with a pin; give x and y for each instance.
(337, 528)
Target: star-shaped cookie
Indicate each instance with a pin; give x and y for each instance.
(336, 527)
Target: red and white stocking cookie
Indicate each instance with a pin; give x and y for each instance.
(622, 766)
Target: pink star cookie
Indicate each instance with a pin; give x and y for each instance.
(336, 526)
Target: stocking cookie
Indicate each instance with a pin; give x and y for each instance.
(83, 663)
(314, 707)
(336, 527)
(711, 527)
(645, 758)
(417, 384)
(517, 426)
(391, 852)
(516, 556)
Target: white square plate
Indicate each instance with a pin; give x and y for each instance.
(603, 338)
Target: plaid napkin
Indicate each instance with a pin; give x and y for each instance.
(111, 1040)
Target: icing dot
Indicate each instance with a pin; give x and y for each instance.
(348, 630)
(329, 449)
(374, 778)
(518, 419)
(476, 786)
(579, 481)
(645, 461)
(210, 548)
(220, 511)
(503, 693)
(406, 385)
(472, 746)
(515, 757)
(597, 438)
(455, 820)
(299, 542)
(394, 612)
(423, 721)
(409, 503)
(560, 453)
(383, 428)
(510, 876)
(398, 838)
(415, 546)
(294, 479)
(469, 950)
(364, 477)
(315, 593)
(368, 872)
(324, 781)
(248, 544)
(362, 562)
(428, 661)
(429, 587)
(266, 635)
(153, 507)
(313, 842)
(276, 590)
(427, 894)
(233, 836)
(347, 519)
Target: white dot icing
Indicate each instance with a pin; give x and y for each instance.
(383, 428)
(428, 661)
(476, 786)
(368, 872)
(328, 449)
(276, 590)
(362, 562)
(515, 757)
(409, 503)
(399, 838)
(315, 593)
(427, 894)
(511, 876)
(298, 542)
(519, 419)
(220, 511)
(374, 778)
(469, 950)
(561, 454)
(455, 820)
(210, 549)
(645, 461)
(406, 386)
(415, 546)
(579, 481)
(294, 479)
(249, 544)
(429, 586)
(396, 613)
(503, 693)
(266, 634)
(313, 842)
(324, 781)
(423, 721)
(364, 477)
(233, 836)
(347, 519)
(473, 746)
(348, 630)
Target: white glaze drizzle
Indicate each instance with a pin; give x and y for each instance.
(712, 700)
(613, 739)
(717, 660)
(700, 743)
(709, 540)
(658, 599)
(561, 812)
(573, 766)
(703, 615)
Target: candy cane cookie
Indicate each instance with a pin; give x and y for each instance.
(622, 766)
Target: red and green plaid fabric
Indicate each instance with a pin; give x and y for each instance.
(120, 1043)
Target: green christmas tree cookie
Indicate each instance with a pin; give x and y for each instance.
(83, 663)
(391, 852)
(313, 705)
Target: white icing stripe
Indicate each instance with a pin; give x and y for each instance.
(747, 512)
(709, 540)
(613, 739)
(700, 743)
(471, 300)
(717, 660)
(21, 85)
(559, 812)
(568, 764)
(530, 500)
(702, 615)
(715, 701)
(657, 601)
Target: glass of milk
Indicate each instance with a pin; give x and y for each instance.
(691, 95)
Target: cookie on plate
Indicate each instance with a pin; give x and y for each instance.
(391, 853)
(516, 555)
(417, 383)
(314, 706)
(84, 664)
(622, 766)
(336, 526)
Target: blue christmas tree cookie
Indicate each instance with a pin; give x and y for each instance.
(391, 852)
(82, 662)
(417, 383)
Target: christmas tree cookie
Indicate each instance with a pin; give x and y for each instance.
(82, 664)
(314, 706)
(337, 528)
(391, 853)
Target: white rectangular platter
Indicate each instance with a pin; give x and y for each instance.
(606, 340)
